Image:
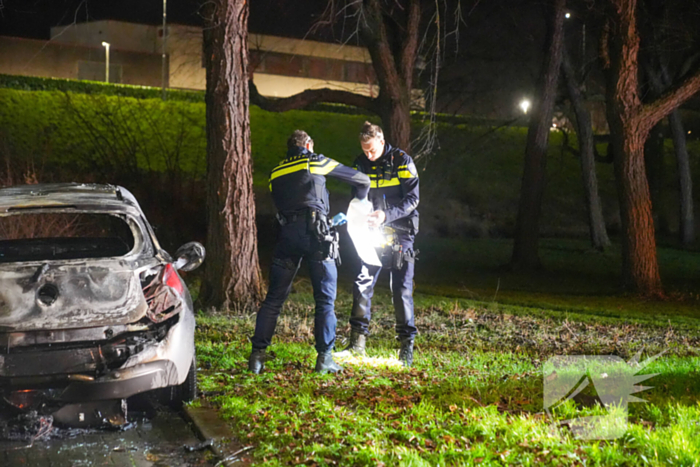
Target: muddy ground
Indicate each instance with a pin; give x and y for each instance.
(153, 436)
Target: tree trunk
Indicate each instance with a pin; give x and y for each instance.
(655, 170)
(525, 249)
(686, 230)
(232, 275)
(393, 51)
(630, 123)
(584, 130)
(628, 132)
(396, 121)
(640, 270)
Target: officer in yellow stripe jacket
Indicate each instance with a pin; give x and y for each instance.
(298, 186)
(394, 193)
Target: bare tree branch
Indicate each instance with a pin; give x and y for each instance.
(653, 112)
(311, 96)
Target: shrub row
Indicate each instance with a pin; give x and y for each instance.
(469, 186)
(33, 83)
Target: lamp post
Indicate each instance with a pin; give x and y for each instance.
(569, 15)
(165, 38)
(106, 46)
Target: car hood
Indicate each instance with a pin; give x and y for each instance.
(49, 296)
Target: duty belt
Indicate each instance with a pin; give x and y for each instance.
(290, 217)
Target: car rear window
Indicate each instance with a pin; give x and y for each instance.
(42, 236)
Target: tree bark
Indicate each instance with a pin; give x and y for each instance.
(640, 270)
(232, 275)
(686, 228)
(396, 122)
(584, 130)
(525, 249)
(630, 122)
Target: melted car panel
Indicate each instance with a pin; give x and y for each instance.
(67, 269)
(85, 295)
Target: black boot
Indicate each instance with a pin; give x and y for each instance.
(325, 363)
(356, 346)
(256, 362)
(406, 352)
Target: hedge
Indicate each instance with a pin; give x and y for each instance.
(470, 185)
(32, 83)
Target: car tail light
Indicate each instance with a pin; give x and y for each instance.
(163, 291)
(171, 279)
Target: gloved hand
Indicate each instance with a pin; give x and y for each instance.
(339, 219)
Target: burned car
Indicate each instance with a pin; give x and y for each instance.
(92, 309)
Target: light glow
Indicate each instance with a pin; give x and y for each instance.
(525, 105)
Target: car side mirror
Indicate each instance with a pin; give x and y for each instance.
(189, 256)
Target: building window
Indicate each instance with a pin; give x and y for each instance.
(284, 64)
(310, 67)
(356, 72)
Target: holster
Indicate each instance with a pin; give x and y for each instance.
(327, 237)
(395, 256)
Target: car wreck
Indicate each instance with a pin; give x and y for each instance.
(92, 309)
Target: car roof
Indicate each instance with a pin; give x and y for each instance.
(79, 195)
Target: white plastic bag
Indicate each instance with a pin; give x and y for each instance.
(359, 231)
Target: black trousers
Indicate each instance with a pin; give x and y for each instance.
(401, 283)
(295, 243)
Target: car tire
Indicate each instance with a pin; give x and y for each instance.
(175, 396)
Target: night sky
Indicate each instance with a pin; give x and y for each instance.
(34, 18)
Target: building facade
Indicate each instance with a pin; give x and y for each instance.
(281, 66)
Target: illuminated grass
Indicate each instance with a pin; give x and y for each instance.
(475, 395)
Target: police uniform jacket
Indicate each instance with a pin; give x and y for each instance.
(394, 187)
(299, 181)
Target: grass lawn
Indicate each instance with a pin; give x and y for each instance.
(475, 394)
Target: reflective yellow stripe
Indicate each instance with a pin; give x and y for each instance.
(289, 164)
(291, 169)
(324, 168)
(406, 174)
(384, 183)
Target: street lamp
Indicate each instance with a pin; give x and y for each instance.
(525, 105)
(165, 38)
(106, 46)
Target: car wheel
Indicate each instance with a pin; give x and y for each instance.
(188, 389)
(175, 396)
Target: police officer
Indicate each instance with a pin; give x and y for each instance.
(394, 196)
(298, 186)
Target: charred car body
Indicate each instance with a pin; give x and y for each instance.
(91, 307)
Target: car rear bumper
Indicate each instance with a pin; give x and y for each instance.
(74, 375)
(123, 383)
